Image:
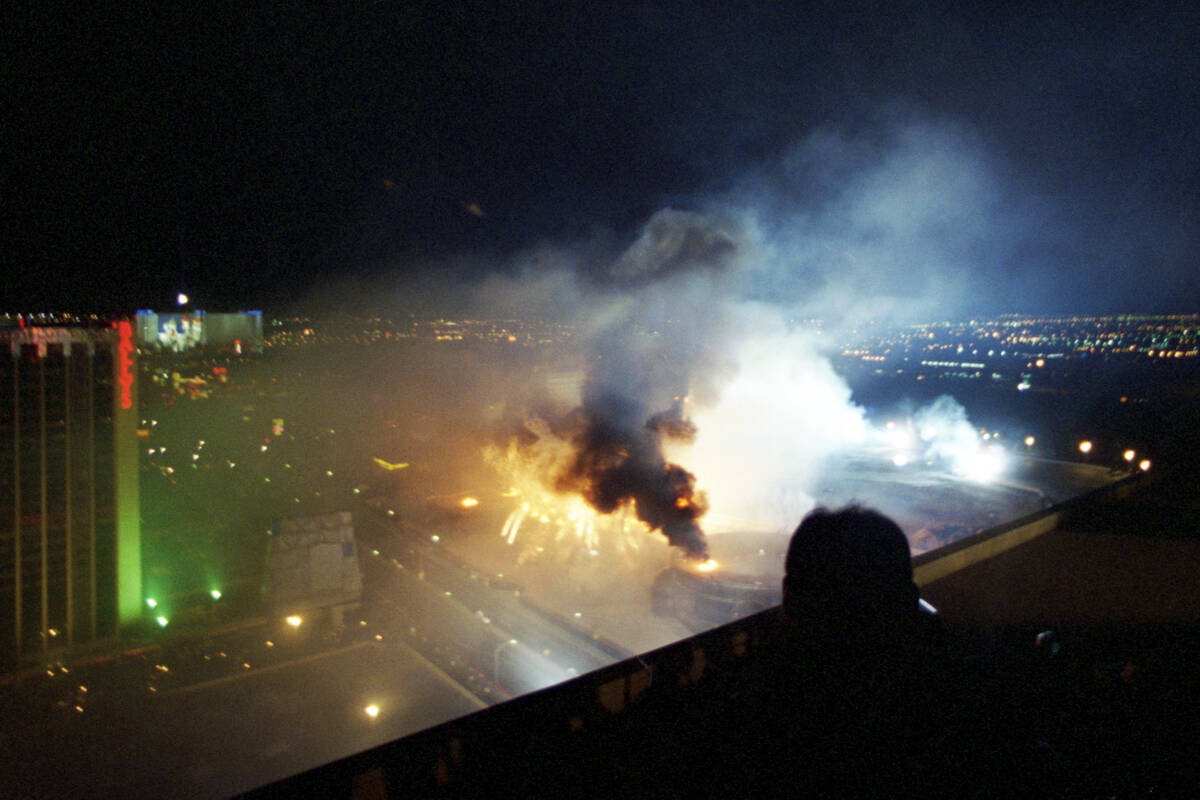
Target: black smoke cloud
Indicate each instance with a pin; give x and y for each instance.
(616, 463)
(646, 353)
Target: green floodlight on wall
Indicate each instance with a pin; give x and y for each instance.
(152, 603)
(162, 621)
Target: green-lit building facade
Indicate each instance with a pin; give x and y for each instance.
(70, 551)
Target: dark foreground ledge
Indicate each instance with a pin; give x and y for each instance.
(1099, 707)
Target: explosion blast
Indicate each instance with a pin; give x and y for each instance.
(654, 321)
(615, 465)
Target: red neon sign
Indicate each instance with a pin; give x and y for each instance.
(125, 362)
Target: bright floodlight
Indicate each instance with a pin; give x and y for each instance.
(1144, 464)
(152, 603)
(1129, 455)
(294, 620)
(371, 711)
(468, 502)
(162, 621)
(215, 594)
(181, 298)
(1085, 446)
(1029, 440)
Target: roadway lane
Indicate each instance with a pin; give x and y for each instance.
(233, 733)
(420, 586)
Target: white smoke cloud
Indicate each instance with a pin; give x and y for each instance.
(888, 224)
(910, 218)
(783, 410)
(951, 440)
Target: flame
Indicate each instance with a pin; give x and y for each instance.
(468, 502)
(708, 565)
(682, 502)
(546, 522)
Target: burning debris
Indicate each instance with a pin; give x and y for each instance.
(612, 468)
(615, 465)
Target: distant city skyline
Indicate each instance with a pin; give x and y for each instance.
(983, 158)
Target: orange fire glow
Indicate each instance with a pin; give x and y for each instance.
(545, 522)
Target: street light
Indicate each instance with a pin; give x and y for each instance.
(496, 660)
(1085, 447)
(1129, 456)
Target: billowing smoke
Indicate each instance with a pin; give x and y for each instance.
(761, 442)
(908, 217)
(950, 439)
(659, 337)
(616, 463)
(706, 383)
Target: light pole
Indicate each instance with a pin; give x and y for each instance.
(496, 660)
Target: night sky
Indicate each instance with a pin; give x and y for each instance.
(1036, 157)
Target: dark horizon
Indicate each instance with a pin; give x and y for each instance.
(1010, 159)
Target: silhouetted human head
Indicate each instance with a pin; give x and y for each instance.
(851, 566)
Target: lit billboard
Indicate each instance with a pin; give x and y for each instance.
(180, 331)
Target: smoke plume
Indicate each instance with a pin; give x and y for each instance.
(659, 337)
(706, 382)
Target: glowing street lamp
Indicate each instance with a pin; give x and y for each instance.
(215, 594)
(1029, 440)
(1085, 447)
(371, 711)
(152, 603)
(1129, 456)
(294, 620)
(162, 621)
(1144, 465)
